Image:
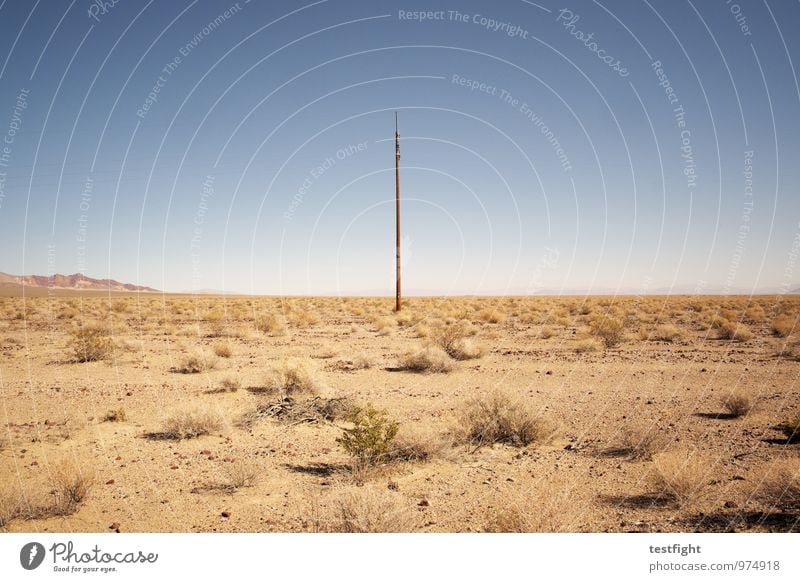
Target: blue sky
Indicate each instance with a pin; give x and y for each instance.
(247, 147)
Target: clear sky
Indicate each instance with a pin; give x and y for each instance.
(248, 146)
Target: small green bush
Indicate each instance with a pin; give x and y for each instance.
(371, 436)
(91, 343)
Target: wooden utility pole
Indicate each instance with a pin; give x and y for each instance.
(397, 207)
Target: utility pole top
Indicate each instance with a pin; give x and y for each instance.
(397, 300)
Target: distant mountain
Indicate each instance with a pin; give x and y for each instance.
(76, 281)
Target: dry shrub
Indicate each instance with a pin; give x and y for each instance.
(466, 349)
(189, 424)
(223, 350)
(682, 477)
(384, 325)
(422, 330)
(609, 330)
(68, 313)
(363, 362)
(127, 345)
(418, 446)
(587, 345)
(544, 508)
(666, 332)
(294, 377)
(368, 509)
(303, 319)
(501, 418)
(115, 415)
(788, 349)
(783, 325)
(216, 322)
(91, 343)
(641, 443)
(230, 384)
(326, 353)
(731, 330)
(755, 314)
(454, 339)
(428, 359)
(271, 324)
(70, 486)
(779, 485)
(491, 315)
(546, 333)
(240, 474)
(405, 318)
(791, 428)
(737, 403)
(10, 506)
(196, 363)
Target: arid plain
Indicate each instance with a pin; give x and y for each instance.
(149, 413)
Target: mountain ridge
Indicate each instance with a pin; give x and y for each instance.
(76, 281)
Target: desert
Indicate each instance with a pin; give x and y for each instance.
(150, 412)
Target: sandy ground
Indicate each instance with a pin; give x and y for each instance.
(53, 411)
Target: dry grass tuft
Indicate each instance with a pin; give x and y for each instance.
(363, 362)
(422, 330)
(115, 415)
(666, 333)
(731, 330)
(385, 325)
(189, 424)
(547, 508)
(791, 428)
(737, 403)
(682, 477)
(492, 315)
(70, 486)
(779, 485)
(223, 350)
(303, 319)
(10, 506)
(294, 377)
(641, 443)
(501, 418)
(587, 345)
(418, 446)
(230, 384)
(366, 509)
(271, 324)
(783, 325)
(454, 339)
(610, 330)
(196, 363)
(428, 359)
(240, 474)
